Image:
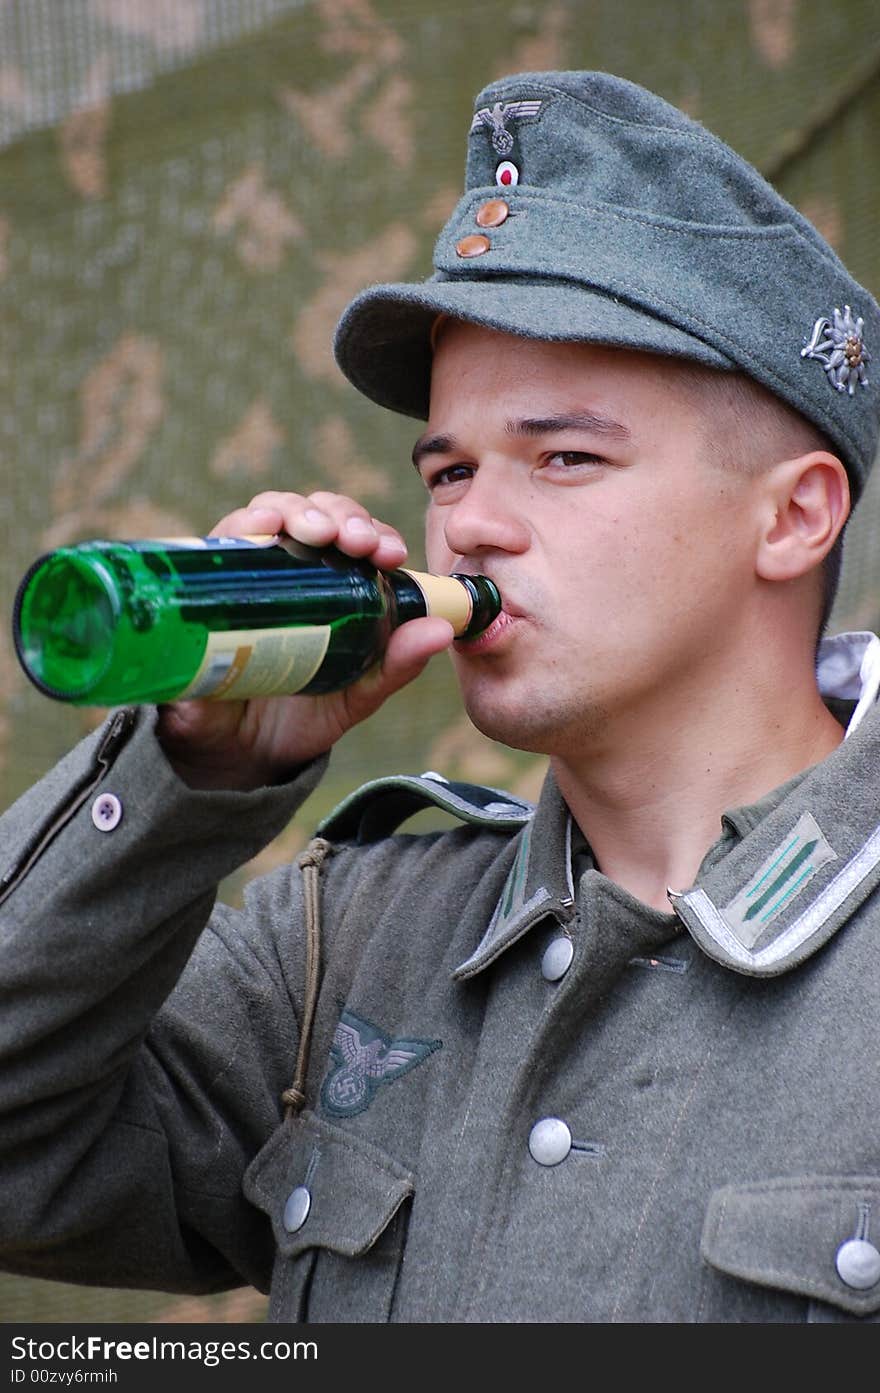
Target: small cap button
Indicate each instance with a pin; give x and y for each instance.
(858, 1263)
(474, 245)
(106, 812)
(557, 958)
(492, 213)
(296, 1210)
(549, 1141)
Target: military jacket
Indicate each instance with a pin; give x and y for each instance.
(530, 1097)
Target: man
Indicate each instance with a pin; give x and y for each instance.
(612, 1061)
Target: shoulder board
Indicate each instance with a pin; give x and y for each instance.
(378, 808)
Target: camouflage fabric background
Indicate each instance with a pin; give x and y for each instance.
(190, 192)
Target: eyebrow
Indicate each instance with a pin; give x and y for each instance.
(530, 426)
(432, 445)
(574, 420)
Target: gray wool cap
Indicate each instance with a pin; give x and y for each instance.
(624, 222)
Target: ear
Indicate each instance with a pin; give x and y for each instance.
(807, 502)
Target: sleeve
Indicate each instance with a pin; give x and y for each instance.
(145, 1034)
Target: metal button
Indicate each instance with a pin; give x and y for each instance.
(296, 1210)
(549, 1141)
(106, 812)
(858, 1263)
(557, 958)
(492, 213)
(474, 245)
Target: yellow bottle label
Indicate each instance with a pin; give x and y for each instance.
(258, 662)
(445, 597)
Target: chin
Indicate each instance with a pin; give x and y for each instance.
(536, 724)
(520, 726)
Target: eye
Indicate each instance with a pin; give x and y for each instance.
(573, 459)
(446, 477)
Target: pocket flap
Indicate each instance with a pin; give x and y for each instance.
(353, 1189)
(787, 1233)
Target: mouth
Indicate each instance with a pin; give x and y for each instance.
(489, 638)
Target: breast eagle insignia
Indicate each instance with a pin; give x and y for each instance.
(362, 1058)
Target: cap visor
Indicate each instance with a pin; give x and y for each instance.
(383, 340)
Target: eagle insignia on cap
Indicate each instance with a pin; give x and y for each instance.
(495, 119)
(838, 344)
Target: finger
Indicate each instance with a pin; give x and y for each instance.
(391, 549)
(356, 532)
(298, 515)
(291, 513)
(333, 518)
(321, 519)
(318, 519)
(412, 644)
(249, 522)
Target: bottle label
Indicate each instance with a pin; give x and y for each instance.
(258, 662)
(445, 597)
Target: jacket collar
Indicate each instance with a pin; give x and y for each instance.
(540, 882)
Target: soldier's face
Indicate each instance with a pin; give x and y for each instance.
(579, 479)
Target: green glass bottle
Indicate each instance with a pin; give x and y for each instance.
(109, 623)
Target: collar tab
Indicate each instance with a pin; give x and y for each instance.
(787, 887)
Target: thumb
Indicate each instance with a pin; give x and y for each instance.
(408, 651)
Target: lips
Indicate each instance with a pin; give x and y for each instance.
(510, 613)
(488, 637)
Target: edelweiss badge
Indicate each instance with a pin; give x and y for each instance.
(362, 1058)
(838, 344)
(495, 118)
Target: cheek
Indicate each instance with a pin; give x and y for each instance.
(637, 563)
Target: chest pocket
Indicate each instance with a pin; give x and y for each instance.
(807, 1237)
(339, 1209)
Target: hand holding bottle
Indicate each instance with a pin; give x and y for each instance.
(245, 744)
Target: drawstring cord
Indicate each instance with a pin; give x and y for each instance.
(310, 863)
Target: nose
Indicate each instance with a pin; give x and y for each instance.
(485, 518)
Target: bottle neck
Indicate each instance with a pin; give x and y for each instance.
(409, 598)
(442, 596)
(470, 603)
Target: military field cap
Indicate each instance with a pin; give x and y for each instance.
(596, 212)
